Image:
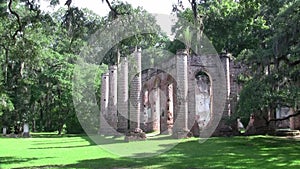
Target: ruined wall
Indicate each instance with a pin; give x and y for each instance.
(235, 87)
(157, 100)
(165, 101)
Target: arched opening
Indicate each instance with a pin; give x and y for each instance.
(158, 101)
(203, 99)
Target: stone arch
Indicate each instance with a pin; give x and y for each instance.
(159, 95)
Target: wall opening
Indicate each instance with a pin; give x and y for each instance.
(203, 99)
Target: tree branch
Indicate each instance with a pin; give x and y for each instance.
(194, 8)
(18, 19)
(287, 117)
(287, 61)
(297, 62)
(114, 10)
(111, 8)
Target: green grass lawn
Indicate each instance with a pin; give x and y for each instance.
(78, 151)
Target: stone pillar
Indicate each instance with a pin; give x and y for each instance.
(123, 95)
(180, 127)
(170, 110)
(113, 97)
(191, 99)
(104, 126)
(145, 116)
(135, 91)
(156, 112)
(225, 59)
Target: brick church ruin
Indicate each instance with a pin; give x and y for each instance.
(179, 96)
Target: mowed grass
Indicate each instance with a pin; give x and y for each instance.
(78, 151)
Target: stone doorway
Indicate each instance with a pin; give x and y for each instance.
(158, 101)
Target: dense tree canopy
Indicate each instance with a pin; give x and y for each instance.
(38, 52)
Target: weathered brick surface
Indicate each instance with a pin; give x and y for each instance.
(105, 127)
(135, 91)
(191, 98)
(157, 98)
(112, 118)
(180, 124)
(123, 95)
(179, 102)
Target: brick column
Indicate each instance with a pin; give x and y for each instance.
(135, 90)
(225, 59)
(104, 126)
(170, 111)
(113, 94)
(180, 127)
(123, 95)
(191, 99)
(156, 110)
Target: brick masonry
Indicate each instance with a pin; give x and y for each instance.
(165, 100)
(122, 104)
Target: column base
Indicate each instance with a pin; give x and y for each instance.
(135, 135)
(25, 134)
(179, 134)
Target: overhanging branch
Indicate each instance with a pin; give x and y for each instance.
(287, 117)
(114, 10)
(18, 19)
(295, 63)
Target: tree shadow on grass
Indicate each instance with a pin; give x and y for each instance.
(236, 152)
(69, 136)
(57, 142)
(16, 160)
(257, 152)
(60, 147)
(54, 135)
(100, 140)
(10, 160)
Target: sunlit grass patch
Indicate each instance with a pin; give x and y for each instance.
(79, 151)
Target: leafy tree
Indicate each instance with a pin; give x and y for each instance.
(264, 37)
(38, 53)
(275, 64)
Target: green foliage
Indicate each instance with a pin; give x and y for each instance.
(38, 64)
(274, 62)
(264, 37)
(146, 34)
(39, 52)
(73, 125)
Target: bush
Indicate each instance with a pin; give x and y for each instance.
(73, 126)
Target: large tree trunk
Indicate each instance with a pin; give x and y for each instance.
(271, 115)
